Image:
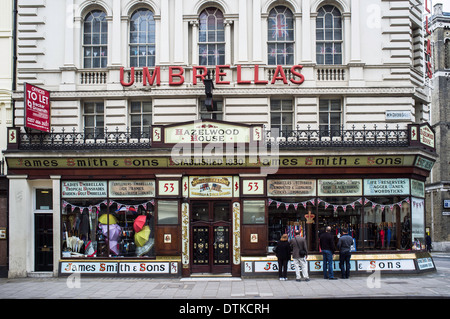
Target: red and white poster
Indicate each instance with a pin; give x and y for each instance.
(37, 108)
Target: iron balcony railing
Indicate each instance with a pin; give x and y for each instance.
(285, 139)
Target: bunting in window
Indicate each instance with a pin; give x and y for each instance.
(279, 26)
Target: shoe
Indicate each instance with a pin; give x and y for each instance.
(298, 280)
(333, 278)
(285, 278)
(306, 279)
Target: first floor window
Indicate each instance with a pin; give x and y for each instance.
(281, 115)
(330, 116)
(215, 114)
(94, 120)
(140, 118)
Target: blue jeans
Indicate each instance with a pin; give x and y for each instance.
(327, 264)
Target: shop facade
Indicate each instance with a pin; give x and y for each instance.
(186, 209)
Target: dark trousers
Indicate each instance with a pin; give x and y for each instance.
(344, 263)
(282, 268)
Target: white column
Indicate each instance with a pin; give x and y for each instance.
(194, 49)
(348, 43)
(228, 41)
(307, 45)
(56, 186)
(68, 34)
(355, 42)
(178, 46)
(165, 34)
(242, 32)
(257, 32)
(116, 44)
(21, 230)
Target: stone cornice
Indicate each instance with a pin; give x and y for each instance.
(231, 91)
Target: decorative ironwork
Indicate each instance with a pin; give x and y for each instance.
(286, 139)
(376, 137)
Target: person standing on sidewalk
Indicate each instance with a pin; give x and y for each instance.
(299, 254)
(327, 246)
(344, 246)
(283, 252)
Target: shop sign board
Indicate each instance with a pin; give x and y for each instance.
(37, 108)
(138, 267)
(253, 187)
(220, 162)
(340, 187)
(210, 186)
(425, 263)
(387, 186)
(291, 187)
(132, 189)
(168, 188)
(418, 218)
(386, 265)
(83, 189)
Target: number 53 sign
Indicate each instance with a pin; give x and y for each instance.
(169, 188)
(253, 187)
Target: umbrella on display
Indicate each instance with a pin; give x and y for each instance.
(104, 219)
(139, 222)
(113, 236)
(141, 237)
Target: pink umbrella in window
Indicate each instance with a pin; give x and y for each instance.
(139, 222)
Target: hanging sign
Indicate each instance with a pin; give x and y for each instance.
(37, 108)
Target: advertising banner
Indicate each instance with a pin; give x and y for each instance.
(37, 108)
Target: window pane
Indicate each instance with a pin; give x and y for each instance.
(254, 211)
(44, 199)
(167, 212)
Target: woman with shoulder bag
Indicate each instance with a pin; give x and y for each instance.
(283, 252)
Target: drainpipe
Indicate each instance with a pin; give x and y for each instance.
(14, 61)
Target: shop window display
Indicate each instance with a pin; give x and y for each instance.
(386, 224)
(341, 213)
(107, 229)
(285, 217)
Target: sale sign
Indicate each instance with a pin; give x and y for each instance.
(37, 108)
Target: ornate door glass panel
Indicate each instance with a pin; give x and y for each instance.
(201, 245)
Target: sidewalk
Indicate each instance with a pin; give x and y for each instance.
(434, 284)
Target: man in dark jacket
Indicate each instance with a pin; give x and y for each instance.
(299, 254)
(327, 246)
(344, 246)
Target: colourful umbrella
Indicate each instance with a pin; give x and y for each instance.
(104, 219)
(113, 236)
(141, 237)
(139, 222)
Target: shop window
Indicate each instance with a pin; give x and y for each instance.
(330, 116)
(142, 38)
(329, 35)
(216, 114)
(254, 212)
(140, 119)
(211, 37)
(281, 115)
(95, 40)
(94, 120)
(81, 231)
(386, 224)
(44, 199)
(167, 212)
(288, 215)
(280, 43)
(341, 213)
(135, 222)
